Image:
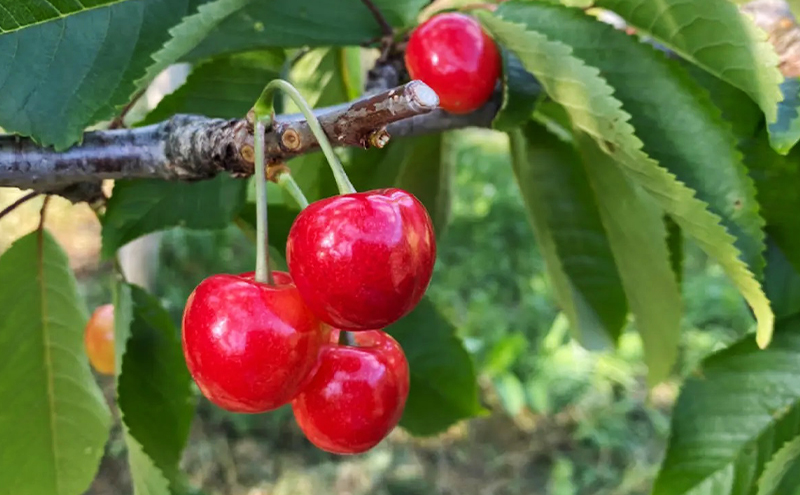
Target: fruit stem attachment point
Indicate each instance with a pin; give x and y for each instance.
(263, 273)
(287, 182)
(264, 107)
(347, 338)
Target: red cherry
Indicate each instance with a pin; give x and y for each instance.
(99, 339)
(454, 56)
(250, 346)
(356, 395)
(362, 261)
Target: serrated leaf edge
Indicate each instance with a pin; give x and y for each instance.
(778, 461)
(207, 17)
(763, 49)
(737, 270)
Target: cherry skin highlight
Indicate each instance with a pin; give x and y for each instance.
(98, 338)
(453, 55)
(364, 260)
(250, 346)
(356, 395)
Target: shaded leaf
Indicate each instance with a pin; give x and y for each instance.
(139, 207)
(637, 236)
(61, 75)
(675, 246)
(443, 384)
(737, 108)
(781, 282)
(153, 385)
(777, 179)
(592, 108)
(521, 91)
(146, 478)
(570, 235)
(224, 87)
(296, 23)
(191, 31)
(739, 407)
(782, 473)
(54, 420)
(17, 14)
(716, 36)
(426, 172)
(675, 118)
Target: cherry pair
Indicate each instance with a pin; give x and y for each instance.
(357, 262)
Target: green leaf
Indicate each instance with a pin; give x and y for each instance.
(781, 282)
(785, 132)
(17, 14)
(675, 118)
(637, 236)
(224, 87)
(297, 23)
(521, 92)
(63, 74)
(570, 235)
(777, 179)
(54, 420)
(740, 406)
(443, 384)
(592, 108)
(191, 31)
(737, 108)
(154, 386)
(146, 477)
(782, 473)
(714, 35)
(139, 207)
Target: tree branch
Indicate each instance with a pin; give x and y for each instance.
(188, 147)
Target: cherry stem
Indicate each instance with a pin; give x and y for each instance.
(347, 338)
(263, 273)
(287, 182)
(342, 181)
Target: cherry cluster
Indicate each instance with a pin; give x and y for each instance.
(314, 337)
(357, 263)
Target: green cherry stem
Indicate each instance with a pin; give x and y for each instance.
(265, 102)
(263, 273)
(287, 182)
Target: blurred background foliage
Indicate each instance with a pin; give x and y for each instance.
(562, 420)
